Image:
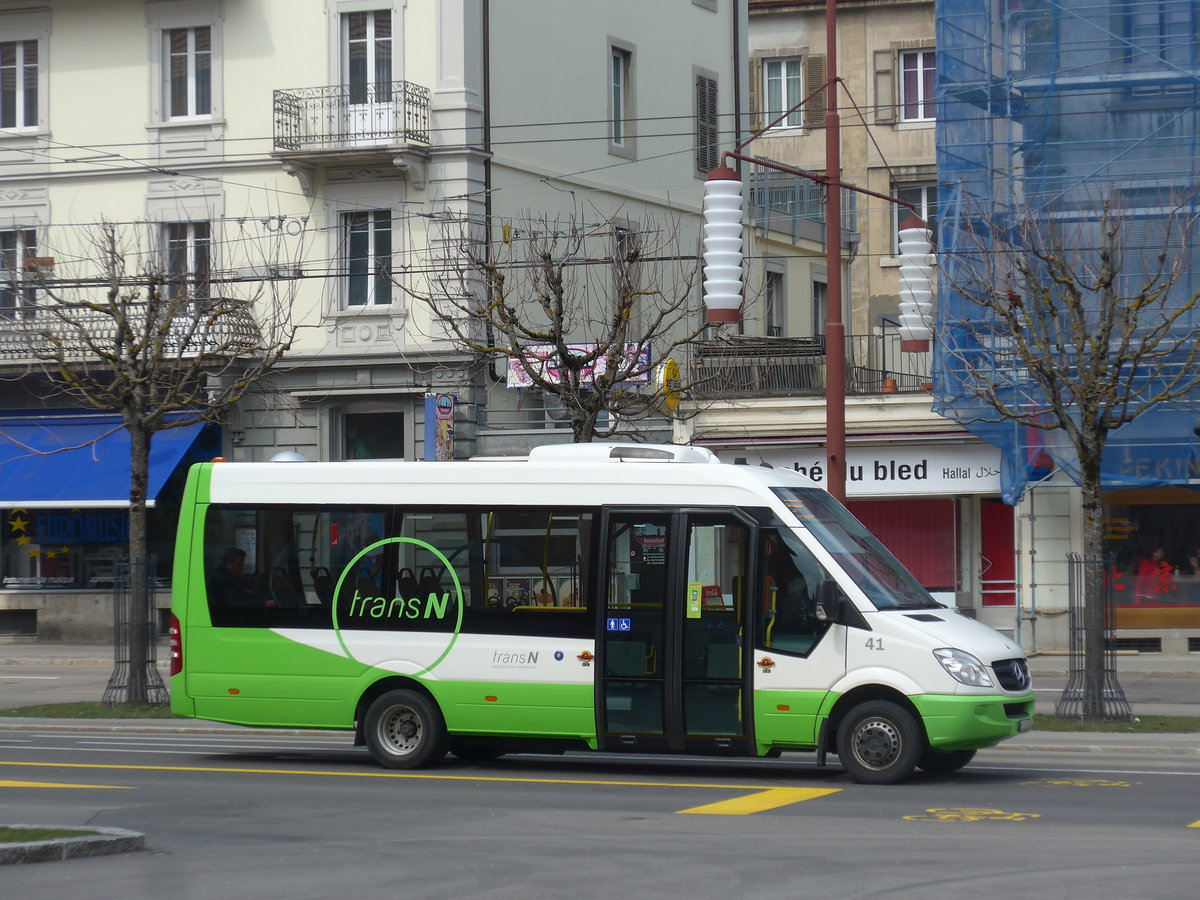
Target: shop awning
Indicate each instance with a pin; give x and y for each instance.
(79, 461)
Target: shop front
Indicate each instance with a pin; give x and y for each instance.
(1152, 544)
(64, 517)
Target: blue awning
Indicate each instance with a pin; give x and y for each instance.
(79, 461)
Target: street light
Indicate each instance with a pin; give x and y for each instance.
(723, 257)
(916, 286)
(723, 246)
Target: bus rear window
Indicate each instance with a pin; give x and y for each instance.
(870, 565)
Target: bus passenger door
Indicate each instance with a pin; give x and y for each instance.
(674, 676)
(797, 656)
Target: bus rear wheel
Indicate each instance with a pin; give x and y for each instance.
(943, 762)
(405, 730)
(879, 742)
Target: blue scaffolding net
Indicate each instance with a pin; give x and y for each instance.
(1067, 143)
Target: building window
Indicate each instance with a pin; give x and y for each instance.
(925, 198)
(368, 256)
(1153, 559)
(374, 435)
(17, 297)
(1161, 39)
(620, 100)
(188, 68)
(367, 56)
(619, 85)
(18, 84)
(708, 131)
(773, 304)
(917, 93)
(185, 63)
(783, 87)
(188, 259)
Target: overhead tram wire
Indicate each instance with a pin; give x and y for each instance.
(951, 101)
(150, 165)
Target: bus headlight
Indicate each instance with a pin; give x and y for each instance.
(963, 667)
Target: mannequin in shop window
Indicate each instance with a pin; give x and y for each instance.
(1193, 563)
(1155, 578)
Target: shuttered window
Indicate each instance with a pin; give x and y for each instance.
(777, 84)
(708, 132)
(920, 532)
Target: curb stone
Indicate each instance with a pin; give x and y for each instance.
(104, 842)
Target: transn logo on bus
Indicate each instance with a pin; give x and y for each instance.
(399, 608)
(357, 615)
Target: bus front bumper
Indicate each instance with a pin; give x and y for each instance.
(972, 722)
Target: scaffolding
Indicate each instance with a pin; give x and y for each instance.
(1049, 113)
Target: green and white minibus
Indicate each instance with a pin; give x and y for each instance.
(628, 598)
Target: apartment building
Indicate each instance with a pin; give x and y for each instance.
(322, 157)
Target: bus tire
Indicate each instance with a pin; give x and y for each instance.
(879, 742)
(405, 730)
(943, 762)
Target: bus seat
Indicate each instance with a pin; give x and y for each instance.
(429, 584)
(284, 592)
(323, 584)
(408, 585)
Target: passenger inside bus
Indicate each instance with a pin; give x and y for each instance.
(229, 584)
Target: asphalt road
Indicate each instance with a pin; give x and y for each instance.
(246, 814)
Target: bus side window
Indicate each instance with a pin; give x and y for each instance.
(531, 570)
(787, 605)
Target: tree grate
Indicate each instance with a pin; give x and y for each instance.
(1106, 701)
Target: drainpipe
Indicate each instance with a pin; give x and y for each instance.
(486, 90)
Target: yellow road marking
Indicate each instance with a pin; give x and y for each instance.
(1194, 825)
(772, 798)
(51, 784)
(972, 814)
(425, 776)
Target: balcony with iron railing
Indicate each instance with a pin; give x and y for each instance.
(793, 205)
(741, 367)
(31, 333)
(324, 125)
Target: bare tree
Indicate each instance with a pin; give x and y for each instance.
(583, 312)
(128, 331)
(1074, 320)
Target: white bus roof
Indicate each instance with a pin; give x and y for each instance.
(554, 475)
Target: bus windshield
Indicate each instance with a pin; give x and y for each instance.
(869, 564)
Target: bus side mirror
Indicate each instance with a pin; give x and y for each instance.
(835, 607)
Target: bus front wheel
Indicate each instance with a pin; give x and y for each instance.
(879, 743)
(405, 730)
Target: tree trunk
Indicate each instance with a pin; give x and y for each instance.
(1095, 609)
(141, 616)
